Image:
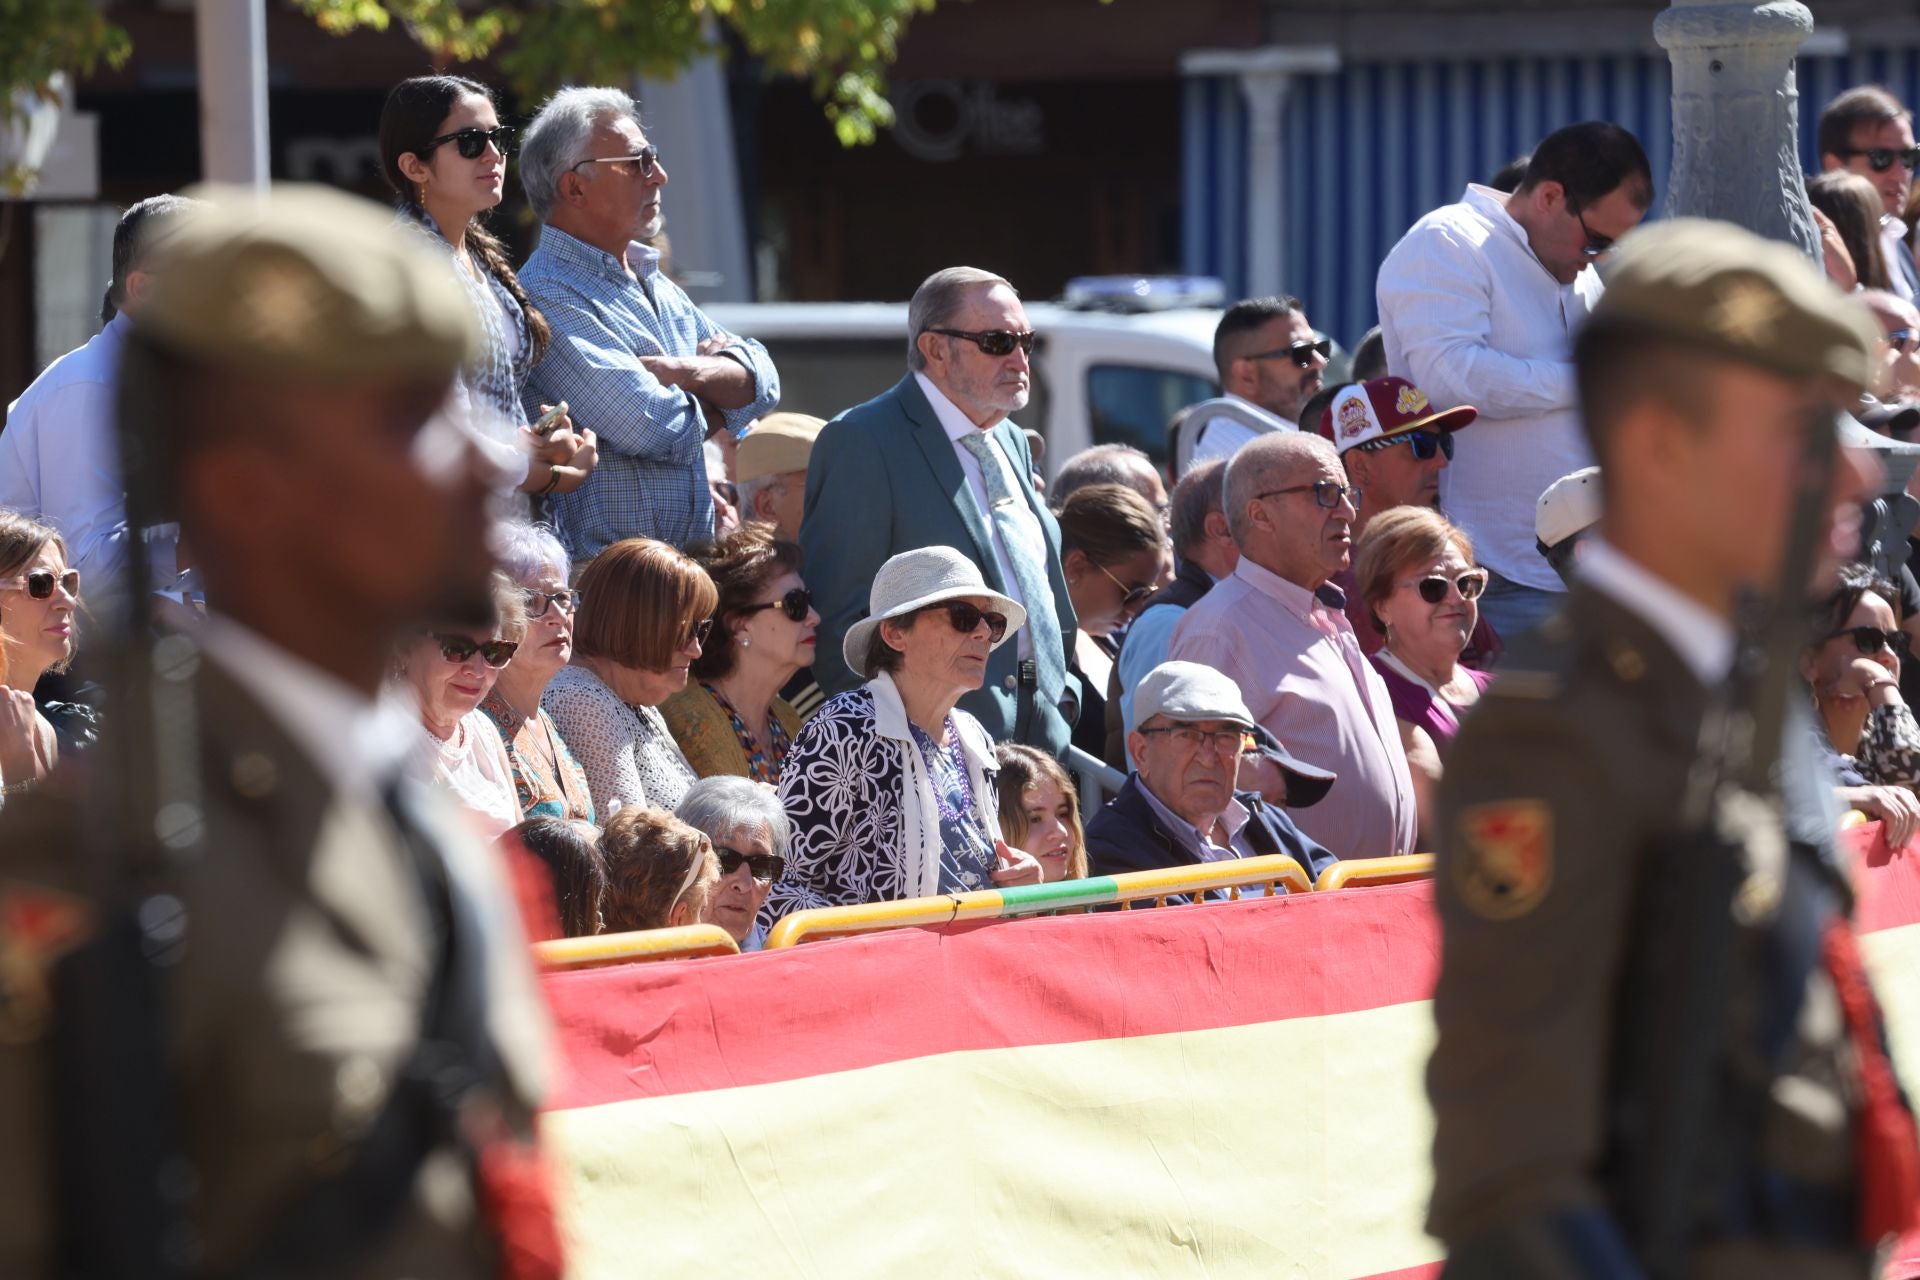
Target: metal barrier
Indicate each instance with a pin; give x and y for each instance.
(1364, 871)
(1033, 899)
(680, 943)
(1095, 779)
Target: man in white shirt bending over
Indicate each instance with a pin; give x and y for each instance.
(1479, 303)
(1270, 361)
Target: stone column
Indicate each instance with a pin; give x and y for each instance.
(231, 39)
(1736, 152)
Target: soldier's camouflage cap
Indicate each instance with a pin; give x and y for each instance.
(306, 283)
(1736, 294)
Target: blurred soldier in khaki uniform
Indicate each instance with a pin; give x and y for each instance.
(352, 1033)
(1569, 925)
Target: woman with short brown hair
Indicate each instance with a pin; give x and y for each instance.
(643, 611)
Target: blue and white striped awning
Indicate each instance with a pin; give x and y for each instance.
(1370, 148)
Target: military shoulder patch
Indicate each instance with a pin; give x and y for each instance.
(1503, 860)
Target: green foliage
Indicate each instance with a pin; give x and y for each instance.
(39, 39)
(841, 47)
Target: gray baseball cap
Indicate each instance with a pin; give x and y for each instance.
(1189, 691)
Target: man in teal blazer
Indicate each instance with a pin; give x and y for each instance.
(897, 473)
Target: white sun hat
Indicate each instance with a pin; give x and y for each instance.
(915, 579)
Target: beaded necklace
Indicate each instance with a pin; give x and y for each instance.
(956, 763)
(762, 766)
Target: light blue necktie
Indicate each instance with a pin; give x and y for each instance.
(1025, 547)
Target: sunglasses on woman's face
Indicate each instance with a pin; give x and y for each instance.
(40, 583)
(796, 604)
(698, 633)
(966, 619)
(1433, 589)
(766, 867)
(471, 142)
(457, 649)
(1872, 640)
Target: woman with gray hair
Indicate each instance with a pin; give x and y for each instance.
(749, 831)
(547, 781)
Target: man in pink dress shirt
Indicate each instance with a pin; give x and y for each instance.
(1279, 630)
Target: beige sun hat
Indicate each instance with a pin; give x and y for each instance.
(913, 580)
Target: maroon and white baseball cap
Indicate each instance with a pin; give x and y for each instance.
(1385, 407)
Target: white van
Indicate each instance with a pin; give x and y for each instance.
(1101, 374)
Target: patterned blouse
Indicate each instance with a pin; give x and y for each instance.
(628, 755)
(547, 779)
(1889, 752)
(499, 372)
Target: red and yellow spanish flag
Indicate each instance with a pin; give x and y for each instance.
(1221, 1090)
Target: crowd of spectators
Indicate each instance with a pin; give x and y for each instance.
(745, 662)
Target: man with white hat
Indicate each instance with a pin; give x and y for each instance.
(1180, 807)
(770, 470)
(1566, 511)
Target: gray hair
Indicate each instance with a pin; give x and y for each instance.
(1266, 463)
(1200, 493)
(751, 489)
(526, 551)
(557, 138)
(724, 804)
(1120, 464)
(935, 303)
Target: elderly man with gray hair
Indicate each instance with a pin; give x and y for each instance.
(1279, 630)
(936, 461)
(750, 832)
(635, 360)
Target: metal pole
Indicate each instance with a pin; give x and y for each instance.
(232, 43)
(1736, 152)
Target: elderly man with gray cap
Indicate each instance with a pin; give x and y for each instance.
(1181, 807)
(890, 787)
(1658, 1051)
(299, 1034)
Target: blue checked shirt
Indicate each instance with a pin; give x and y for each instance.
(652, 478)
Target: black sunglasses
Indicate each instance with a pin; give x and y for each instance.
(470, 142)
(495, 653)
(1135, 595)
(1301, 353)
(1881, 159)
(995, 342)
(40, 583)
(538, 602)
(1423, 443)
(1469, 584)
(1872, 640)
(646, 158)
(1905, 341)
(1596, 244)
(766, 867)
(698, 632)
(966, 618)
(796, 604)
(1325, 492)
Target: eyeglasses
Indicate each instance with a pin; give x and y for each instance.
(1135, 595)
(698, 633)
(1881, 159)
(1423, 443)
(766, 867)
(457, 649)
(39, 583)
(1872, 640)
(967, 617)
(1433, 588)
(471, 142)
(647, 159)
(995, 342)
(1325, 492)
(1905, 341)
(796, 604)
(537, 601)
(1596, 244)
(1225, 742)
(1301, 353)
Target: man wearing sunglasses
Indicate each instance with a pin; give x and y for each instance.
(937, 461)
(636, 361)
(1271, 362)
(1868, 131)
(1479, 303)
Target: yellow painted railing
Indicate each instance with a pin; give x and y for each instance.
(1023, 900)
(1362, 871)
(680, 943)
(1853, 818)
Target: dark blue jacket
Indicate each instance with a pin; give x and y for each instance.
(1127, 835)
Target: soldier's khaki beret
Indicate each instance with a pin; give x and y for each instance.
(1725, 289)
(778, 443)
(309, 283)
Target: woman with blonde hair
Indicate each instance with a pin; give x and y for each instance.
(660, 871)
(1040, 811)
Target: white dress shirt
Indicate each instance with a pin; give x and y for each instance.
(59, 461)
(958, 427)
(1220, 436)
(1471, 317)
(1704, 641)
